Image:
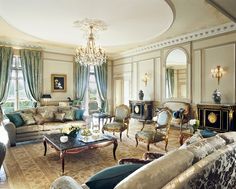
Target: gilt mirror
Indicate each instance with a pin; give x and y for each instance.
(176, 74)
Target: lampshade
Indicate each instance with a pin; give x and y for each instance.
(46, 96)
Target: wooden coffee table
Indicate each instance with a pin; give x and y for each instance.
(77, 144)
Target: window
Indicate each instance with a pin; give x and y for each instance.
(16, 98)
(92, 89)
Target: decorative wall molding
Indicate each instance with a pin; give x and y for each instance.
(209, 32)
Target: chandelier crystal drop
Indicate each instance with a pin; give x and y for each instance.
(90, 55)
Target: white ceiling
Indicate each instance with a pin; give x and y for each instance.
(131, 23)
(52, 20)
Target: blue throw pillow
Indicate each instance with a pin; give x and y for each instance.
(176, 114)
(79, 114)
(207, 133)
(16, 119)
(108, 178)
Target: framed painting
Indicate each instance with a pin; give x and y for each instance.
(58, 83)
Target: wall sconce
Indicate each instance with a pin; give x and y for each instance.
(217, 73)
(145, 79)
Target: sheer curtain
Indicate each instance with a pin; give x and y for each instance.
(32, 66)
(169, 82)
(101, 80)
(6, 58)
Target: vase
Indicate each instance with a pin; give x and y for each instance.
(216, 96)
(140, 95)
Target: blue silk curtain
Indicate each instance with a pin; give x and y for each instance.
(32, 66)
(6, 58)
(82, 77)
(101, 80)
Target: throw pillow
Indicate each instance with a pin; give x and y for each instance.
(69, 115)
(28, 118)
(79, 114)
(59, 116)
(110, 177)
(16, 119)
(39, 119)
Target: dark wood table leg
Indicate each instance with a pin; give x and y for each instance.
(45, 146)
(181, 139)
(114, 148)
(62, 155)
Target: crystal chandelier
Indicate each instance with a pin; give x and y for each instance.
(90, 55)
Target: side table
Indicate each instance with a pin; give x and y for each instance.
(101, 117)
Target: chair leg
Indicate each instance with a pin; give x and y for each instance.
(102, 131)
(148, 146)
(136, 138)
(121, 136)
(166, 144)
(127, 132)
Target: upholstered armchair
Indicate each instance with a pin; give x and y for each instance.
(161, 132)
(120, 121)
(93, 107)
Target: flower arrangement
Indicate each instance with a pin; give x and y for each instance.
(70, 131)
(195, 124)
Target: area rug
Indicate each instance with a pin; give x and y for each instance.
(27, 168)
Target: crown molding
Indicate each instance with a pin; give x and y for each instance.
(36, 46)
(205, 33)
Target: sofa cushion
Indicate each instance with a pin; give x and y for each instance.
(28, 118)
(47, 112)
(159, 172)
(216, 142)
(30, 110)
(79, 114)
(69, 115)
(195, 138)
(39, 119)
(16, 119)
(29, 129)
(110, 177)
(229, 137)
(200, 150)
(59, 116)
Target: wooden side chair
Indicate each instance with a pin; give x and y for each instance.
(120, 122)
(162, 126)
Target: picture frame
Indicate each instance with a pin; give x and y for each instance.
(58, 82)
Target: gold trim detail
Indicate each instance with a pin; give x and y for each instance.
(212, 118)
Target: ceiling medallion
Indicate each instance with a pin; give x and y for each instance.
(90, 55)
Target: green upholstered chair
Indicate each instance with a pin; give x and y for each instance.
(120, 121)
(161, 132)
(93, 107)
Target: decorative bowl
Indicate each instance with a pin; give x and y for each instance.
(64, 139)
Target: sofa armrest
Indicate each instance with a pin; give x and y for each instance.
(65, 182)
(11, 131)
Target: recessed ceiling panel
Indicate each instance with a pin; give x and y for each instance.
(128, 22)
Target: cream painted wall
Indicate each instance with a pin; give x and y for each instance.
(55, 63)
(203, 55)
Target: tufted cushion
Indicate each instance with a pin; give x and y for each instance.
(28, 118)
(200, 149)
(229, 137)
(47, 112)
(195, 138)
(150, 136)
(159, 172)
(30, 110)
